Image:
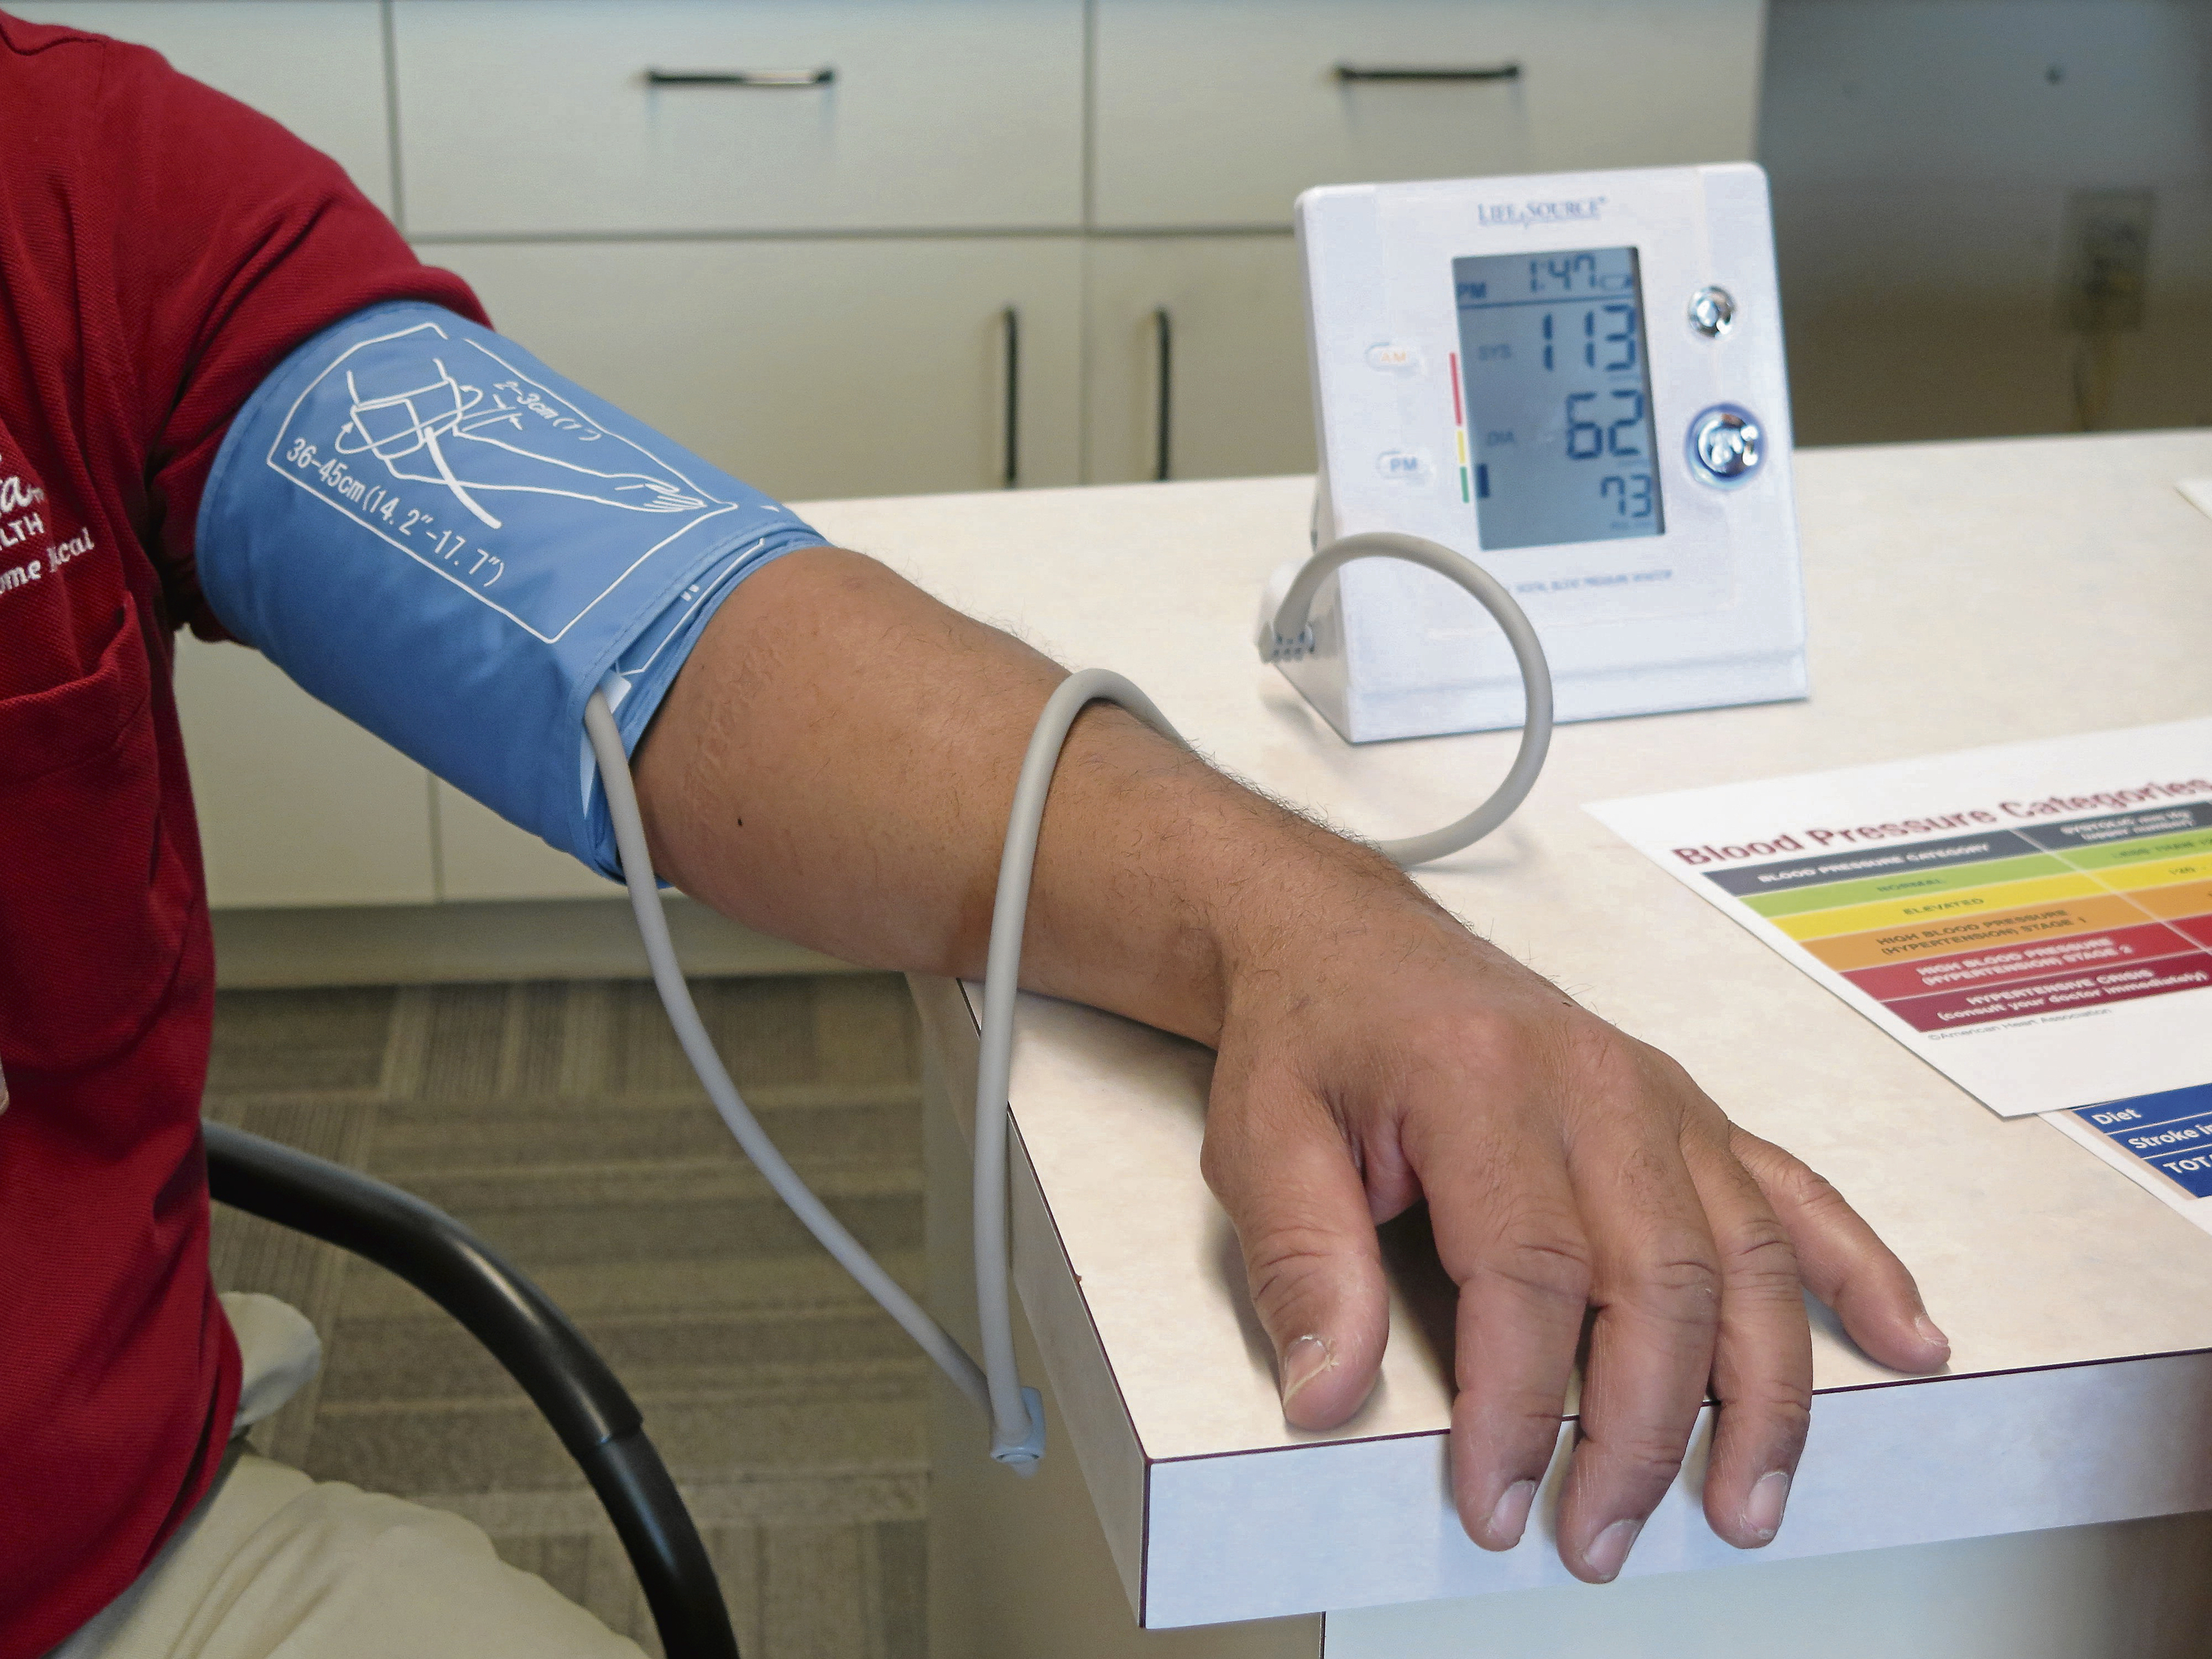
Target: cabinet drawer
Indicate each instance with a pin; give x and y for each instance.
(813, 369)
(315, 65)
(541, 116)
(1221, 113)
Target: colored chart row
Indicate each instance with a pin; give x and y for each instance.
(1963, 930)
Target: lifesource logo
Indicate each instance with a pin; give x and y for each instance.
(1540, 213)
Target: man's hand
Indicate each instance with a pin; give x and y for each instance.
(1567, 1168)
(834, 764)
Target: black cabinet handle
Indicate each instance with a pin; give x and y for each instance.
(1163, 339)
(771, 78)
(1010, 320)
(1349, 72)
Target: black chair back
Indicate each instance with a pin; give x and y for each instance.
(561, 1372)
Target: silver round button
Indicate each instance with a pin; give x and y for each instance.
(1726, 444)
(1712, 311)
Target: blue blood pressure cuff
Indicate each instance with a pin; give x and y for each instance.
(437, 535)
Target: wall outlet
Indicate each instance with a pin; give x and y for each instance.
(2107, 248)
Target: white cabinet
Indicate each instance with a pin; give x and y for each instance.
(482, 856)
(872, 247)
(1219, 114)
(1203, 335)
(297, 804)
(559, 116)
(815, 369)
(315, 65)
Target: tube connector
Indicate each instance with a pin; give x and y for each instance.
(1023, 1458)
(1278, 648)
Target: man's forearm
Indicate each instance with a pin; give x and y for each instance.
(835, 766)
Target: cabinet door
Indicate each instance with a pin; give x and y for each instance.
(620, 116)
(1219, 114)
(297, 804)
(816, 368)
(1205, 334)
(315, 65)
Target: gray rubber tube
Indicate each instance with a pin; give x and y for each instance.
(699, 1048)
(1290, 619)
(1002, 974)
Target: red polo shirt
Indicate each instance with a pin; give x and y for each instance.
(162, 248)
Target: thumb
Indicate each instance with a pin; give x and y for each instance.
(1278, 1163)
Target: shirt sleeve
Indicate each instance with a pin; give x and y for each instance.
(233, 242)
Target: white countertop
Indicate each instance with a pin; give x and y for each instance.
(1959, 595)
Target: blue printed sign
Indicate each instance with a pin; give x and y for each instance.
(2171, 1132)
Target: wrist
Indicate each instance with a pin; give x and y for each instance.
(1315, 911)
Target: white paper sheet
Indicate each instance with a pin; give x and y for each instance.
(2034, 920)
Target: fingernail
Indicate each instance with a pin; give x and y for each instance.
(1931, 1333)
(1762, 1511)
(1508, 1518)
(1303, 1361)
(1609, 1549)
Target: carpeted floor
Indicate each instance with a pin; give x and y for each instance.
(560, 1121)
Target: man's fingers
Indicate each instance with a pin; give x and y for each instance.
(1286, 1178)
(1507, 1231)
(1843, 1262)
(1658, 1292)
(1762, 1357)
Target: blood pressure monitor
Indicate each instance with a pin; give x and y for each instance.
(1576, 380)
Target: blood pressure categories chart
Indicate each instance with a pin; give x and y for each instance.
(2034, 920)
(1968, 930)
